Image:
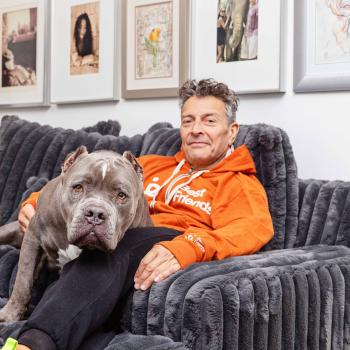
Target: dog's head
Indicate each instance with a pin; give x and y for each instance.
(100, 196)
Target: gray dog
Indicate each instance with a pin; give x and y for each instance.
(97, 197)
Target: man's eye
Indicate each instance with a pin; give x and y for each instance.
(77, 188)
(186, 121)
(210, 121)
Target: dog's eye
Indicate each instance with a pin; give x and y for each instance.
(121, 195)
(77, 188)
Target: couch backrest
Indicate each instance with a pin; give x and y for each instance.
(29, 149)
(324, 213)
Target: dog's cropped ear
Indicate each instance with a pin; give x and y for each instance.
(72, 157)
(136, 165)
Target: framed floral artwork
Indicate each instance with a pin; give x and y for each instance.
(155, 45)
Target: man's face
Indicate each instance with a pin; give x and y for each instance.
(205, 132)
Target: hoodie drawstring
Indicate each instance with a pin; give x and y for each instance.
(170, 192)
(176, 170)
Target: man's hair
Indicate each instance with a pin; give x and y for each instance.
(210, 87)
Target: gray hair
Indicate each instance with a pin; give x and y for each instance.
(210, 87)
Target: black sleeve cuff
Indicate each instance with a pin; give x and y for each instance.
(37, 340)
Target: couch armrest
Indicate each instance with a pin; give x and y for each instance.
(324, 213)
(290, 296)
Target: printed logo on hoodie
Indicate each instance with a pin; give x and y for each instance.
(190, 197)
(184, 195)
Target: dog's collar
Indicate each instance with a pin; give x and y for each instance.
(11, 344)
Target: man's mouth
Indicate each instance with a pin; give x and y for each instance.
(198, 144)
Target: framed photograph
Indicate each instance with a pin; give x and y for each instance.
(24, 68)
(239, 42)
(84, 50)
(155, 47)
(321, 45)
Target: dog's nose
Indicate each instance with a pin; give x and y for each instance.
(95, 216)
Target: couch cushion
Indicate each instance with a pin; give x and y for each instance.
(281, 299)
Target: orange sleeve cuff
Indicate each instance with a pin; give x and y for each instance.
(183, 251)
(32, 200)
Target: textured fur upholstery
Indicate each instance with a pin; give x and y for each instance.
(295, 294)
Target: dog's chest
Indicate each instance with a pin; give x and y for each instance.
(67, 255)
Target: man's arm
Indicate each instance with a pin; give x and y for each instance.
(242, 225)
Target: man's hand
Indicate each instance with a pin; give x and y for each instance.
(24, 216)
(158, 264)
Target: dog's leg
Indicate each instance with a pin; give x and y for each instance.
(16, 306)
(11, 234)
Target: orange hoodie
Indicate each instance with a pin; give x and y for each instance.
(223, 211)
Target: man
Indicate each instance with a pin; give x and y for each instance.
(206, 204)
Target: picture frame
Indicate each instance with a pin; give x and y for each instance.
(155, 51)
(321, 56)
(263, 74)
(24, 53)
(85, 51)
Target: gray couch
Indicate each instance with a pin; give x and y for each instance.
(295, 294)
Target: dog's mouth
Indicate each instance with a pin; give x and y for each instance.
(90, 240)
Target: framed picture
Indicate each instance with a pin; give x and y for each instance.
(155, 45)
(321, 45)
(239, 42)
(84, 50)
(24, 69)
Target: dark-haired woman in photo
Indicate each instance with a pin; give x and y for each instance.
(83, 42)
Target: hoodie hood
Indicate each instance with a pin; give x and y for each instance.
(239, 160)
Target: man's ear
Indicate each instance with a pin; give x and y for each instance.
(72, 157)
(136, 165)
(234, 129)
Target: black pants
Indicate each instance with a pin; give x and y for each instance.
(82, 300)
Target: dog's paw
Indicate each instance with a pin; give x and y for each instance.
(8, 314)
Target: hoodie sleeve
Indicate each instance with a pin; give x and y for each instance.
(32, 200)
(241, 224)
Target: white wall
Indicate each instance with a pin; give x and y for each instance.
(318, 124)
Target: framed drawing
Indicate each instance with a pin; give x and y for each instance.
(24, 69)
(155, 45)
(321, 45)
(84, 50)
(239, 42)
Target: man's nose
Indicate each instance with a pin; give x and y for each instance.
(95, 216)
(197, 127)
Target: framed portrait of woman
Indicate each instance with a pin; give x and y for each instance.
(24, 70)
(84, 53)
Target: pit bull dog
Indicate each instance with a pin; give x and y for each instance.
(97, 197)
